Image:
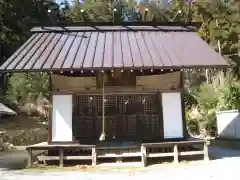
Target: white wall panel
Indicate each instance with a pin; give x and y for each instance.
(172, 115)
(62, 118)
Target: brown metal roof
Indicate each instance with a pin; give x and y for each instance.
(75, 48)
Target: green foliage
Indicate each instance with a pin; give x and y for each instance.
(100, 10)
(29, 137)
(17, 17)
(27, 87)
(94, 10)
(220, 22)
(189, 100)
(206, 96)
(192, 123)
(201, 117)
(229, 95)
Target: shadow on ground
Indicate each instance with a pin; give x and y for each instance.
(222, 149)
(13, 160)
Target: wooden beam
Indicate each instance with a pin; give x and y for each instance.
(48, 158)
(169, 144)
(110, 155)
(188, 153)
(153, 155)
(65, 145)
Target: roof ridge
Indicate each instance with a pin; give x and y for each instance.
(113, 28)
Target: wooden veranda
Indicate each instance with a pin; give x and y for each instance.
(120, 151)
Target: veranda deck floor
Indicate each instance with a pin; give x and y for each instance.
(120, 150)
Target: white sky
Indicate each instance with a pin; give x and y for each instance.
(59, 1)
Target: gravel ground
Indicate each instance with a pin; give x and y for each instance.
(225, 166)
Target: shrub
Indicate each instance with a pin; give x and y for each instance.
(192, 123)
(201, 118)
(229, 95)
(29, 91)
(189, 100)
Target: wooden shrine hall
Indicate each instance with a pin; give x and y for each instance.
(117, 91)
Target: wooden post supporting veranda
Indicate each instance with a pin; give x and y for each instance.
(94, 156)
(61, 157)
(144, 155)
(205, 151)
(175, 152)
(29, 161)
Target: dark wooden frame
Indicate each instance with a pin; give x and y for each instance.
(161, 135)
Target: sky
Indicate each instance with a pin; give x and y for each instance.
(59, 1)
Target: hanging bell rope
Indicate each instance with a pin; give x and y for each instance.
(103, 134)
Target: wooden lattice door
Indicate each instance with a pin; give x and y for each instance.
(129, 117)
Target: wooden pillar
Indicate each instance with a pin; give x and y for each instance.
(94, 156)
(50, 109)
(205, 151)
(185, 132)
(61, 157)
(29, 161)
(175, 151)
(144, 155)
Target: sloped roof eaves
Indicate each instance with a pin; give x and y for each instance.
(101, 50)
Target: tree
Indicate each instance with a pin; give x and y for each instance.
(220, 28)
(16, 19)
(103, 11)
(94, 10)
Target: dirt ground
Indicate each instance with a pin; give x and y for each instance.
(20, 122)
(224, 168)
